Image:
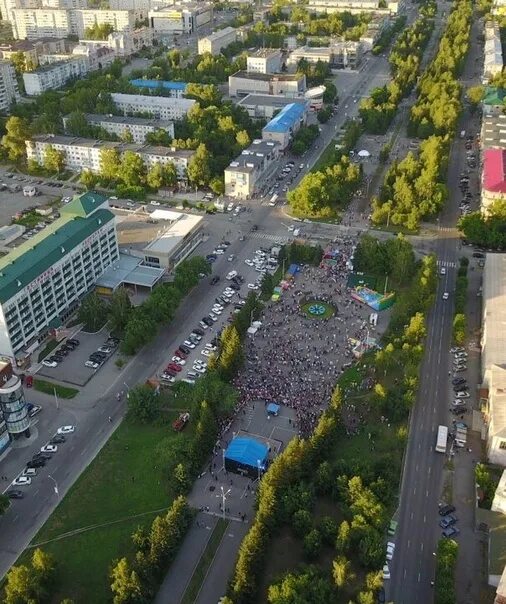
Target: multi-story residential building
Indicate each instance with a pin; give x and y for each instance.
(169, 88)
(161, 107)
(138, 127)
(126, 44)
(264, 106)
(390, 7)
(55, 75)
(243, 83)
(43, 279)
(60, 23)
(33, 49)
(339, 55)
(493, 63)
(139, 5)
(180, 18)
(254, 165)
(213, 43)
(264, 60)
(282, 127)
(9, 92)
(84, 153)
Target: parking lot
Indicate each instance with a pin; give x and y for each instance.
(72, 369)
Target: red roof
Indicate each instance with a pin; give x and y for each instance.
(494, 170)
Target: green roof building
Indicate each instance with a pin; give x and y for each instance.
(43, 280)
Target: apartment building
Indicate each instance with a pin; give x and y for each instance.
(243, 83)
(245, 174)
(43, 280)
(388, 7)
(264, 106)
(33, 49)
(169, 88)
(138, 127)
(180, 18)
(9, 92)
(55, 75)
(339, 55)
(160, 107)
(264, 60)
(493, 61)
(213, 43)
(84, 153)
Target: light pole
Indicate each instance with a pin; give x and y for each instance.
(259, 468)
(223, 496)
(56, 398)
(55, 485)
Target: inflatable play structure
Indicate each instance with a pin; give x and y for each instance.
(372, 298)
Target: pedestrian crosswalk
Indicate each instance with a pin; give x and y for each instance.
(446, 264)
(269, 237)
(446, 229)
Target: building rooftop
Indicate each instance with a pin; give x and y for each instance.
(121, 147)
(252, 157)
(55, 65)
(31, 259)
(496, 523)
(97, 118)
(493, 131)
(494, 95)
(267, 77)
(264, 53)
(273, 100)
(129, 270)
(494, 311)
(494, 170)
(156, 84)
(286, 119)
(216, 35)
(159, 232)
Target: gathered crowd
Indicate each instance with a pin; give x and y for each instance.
(295, 359)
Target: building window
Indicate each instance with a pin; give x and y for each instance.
(502, 444)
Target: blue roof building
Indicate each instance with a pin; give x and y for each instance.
(176, 89)
(246, 456)
(285, 124)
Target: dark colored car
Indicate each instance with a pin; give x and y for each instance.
(457, 381)
(185, 349)
(235, 287)
(15, 494)
(207, 321)
(199, 331)
(451, 531)
(41, 455)
(254, 228)
(38, 462)
(478, 255)
(447, 521)
(171, 372)
(58, 439)
(179, 353)
(444, 510)
(215, 280)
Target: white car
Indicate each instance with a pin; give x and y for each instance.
(199, 369)
(22, 481)
(189, 344)
(216, 305)
(291, 227)
(66, 430)
(230, 207)
(49, 449)
(217, 311)
(47, 363)
(446, 295)
(219, 252)
(386, 572)
(442, 271)
(154, 203)
(203, 325)
(210, 346)
(390, 550)
(168, 378)
(252, 286)
(462, 395)
(231, 258)
(248, 262)
(213, 317)
(105, 349)
(178, 360)
(200, 363)
(92, 365)
(206, 352)
(231, 275)
(30, 472)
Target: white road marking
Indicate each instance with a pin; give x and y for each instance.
(418, 577)
(409, 543)
(421, 547)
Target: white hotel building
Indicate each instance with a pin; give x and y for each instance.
(161, 107)
(43, 279)
(84, 153)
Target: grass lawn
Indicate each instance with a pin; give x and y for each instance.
(125, 479)
(317, 306)
(192, 591)
(50, 388)
(49, 347)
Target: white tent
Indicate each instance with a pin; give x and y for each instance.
(364, 153)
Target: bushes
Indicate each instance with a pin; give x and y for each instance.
(32, 584)
(459, 320)
(488, 230)
(446, 561)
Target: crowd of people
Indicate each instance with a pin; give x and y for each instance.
(295, 359)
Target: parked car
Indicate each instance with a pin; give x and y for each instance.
(22, 481)
(447, 521)
(444, 510)
(451, 531)
(66, 430)
(15, 494)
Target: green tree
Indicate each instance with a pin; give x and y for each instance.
(312, 544)
(43, 565)
(155, 177)
(98, 31)
(132, 169)
(343, 537)
(88, 179)
(158, 137)
(119, 310)
(92, 312)
(110, 165)
(366, 597)
(306, 587)
(139, 330)
(231, 352)
(475, 95)
(127, 136)
(341, 571)
(54, 160)
(330, 94)
(267, 286)
(126, 585)
(143, 404)
(4, 504)
(21, 63)
(187, 273)
(170, 175)
(243, 139)
(182, 477)
(77, 124)
(199, 172)
(17, 133)
(302, 522)
(217, 185)
(19, 587)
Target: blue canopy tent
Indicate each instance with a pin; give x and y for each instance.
(246, 456)
(273, 409)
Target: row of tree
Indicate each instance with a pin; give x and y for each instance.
(487, 229)
(459, 319)
(378, 111)
(414, 188)
(322, 193)
(31, 583)
(438, 105)
(446, 562)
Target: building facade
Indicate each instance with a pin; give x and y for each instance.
(84, 153)
(43, 280)
(244, 175)
(243, 83)
(55, 75)
(493, 62)
(339, 55)
(160, 107)
(9, 92)
(493, 180)
(390, 7)
(169, 88)
(264, 60)
(264, 106)
(14, 416)
(138, 127)
(180, 18)
(213, 43)
(282, 128)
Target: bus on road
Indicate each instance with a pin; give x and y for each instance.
(442, 438)
(273, 200)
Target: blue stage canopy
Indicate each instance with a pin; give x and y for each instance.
(247, 452)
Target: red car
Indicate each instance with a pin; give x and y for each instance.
(179, 353)
(171, 372)
(174, 367)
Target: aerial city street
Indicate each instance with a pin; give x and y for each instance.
(252, 293)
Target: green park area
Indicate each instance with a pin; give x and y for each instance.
(54, 389)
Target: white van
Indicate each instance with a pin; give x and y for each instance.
(29, 191)
(231, 275)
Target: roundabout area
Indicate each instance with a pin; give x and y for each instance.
(317, 309)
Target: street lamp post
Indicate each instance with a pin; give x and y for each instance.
(223, 496)
(55, 485)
